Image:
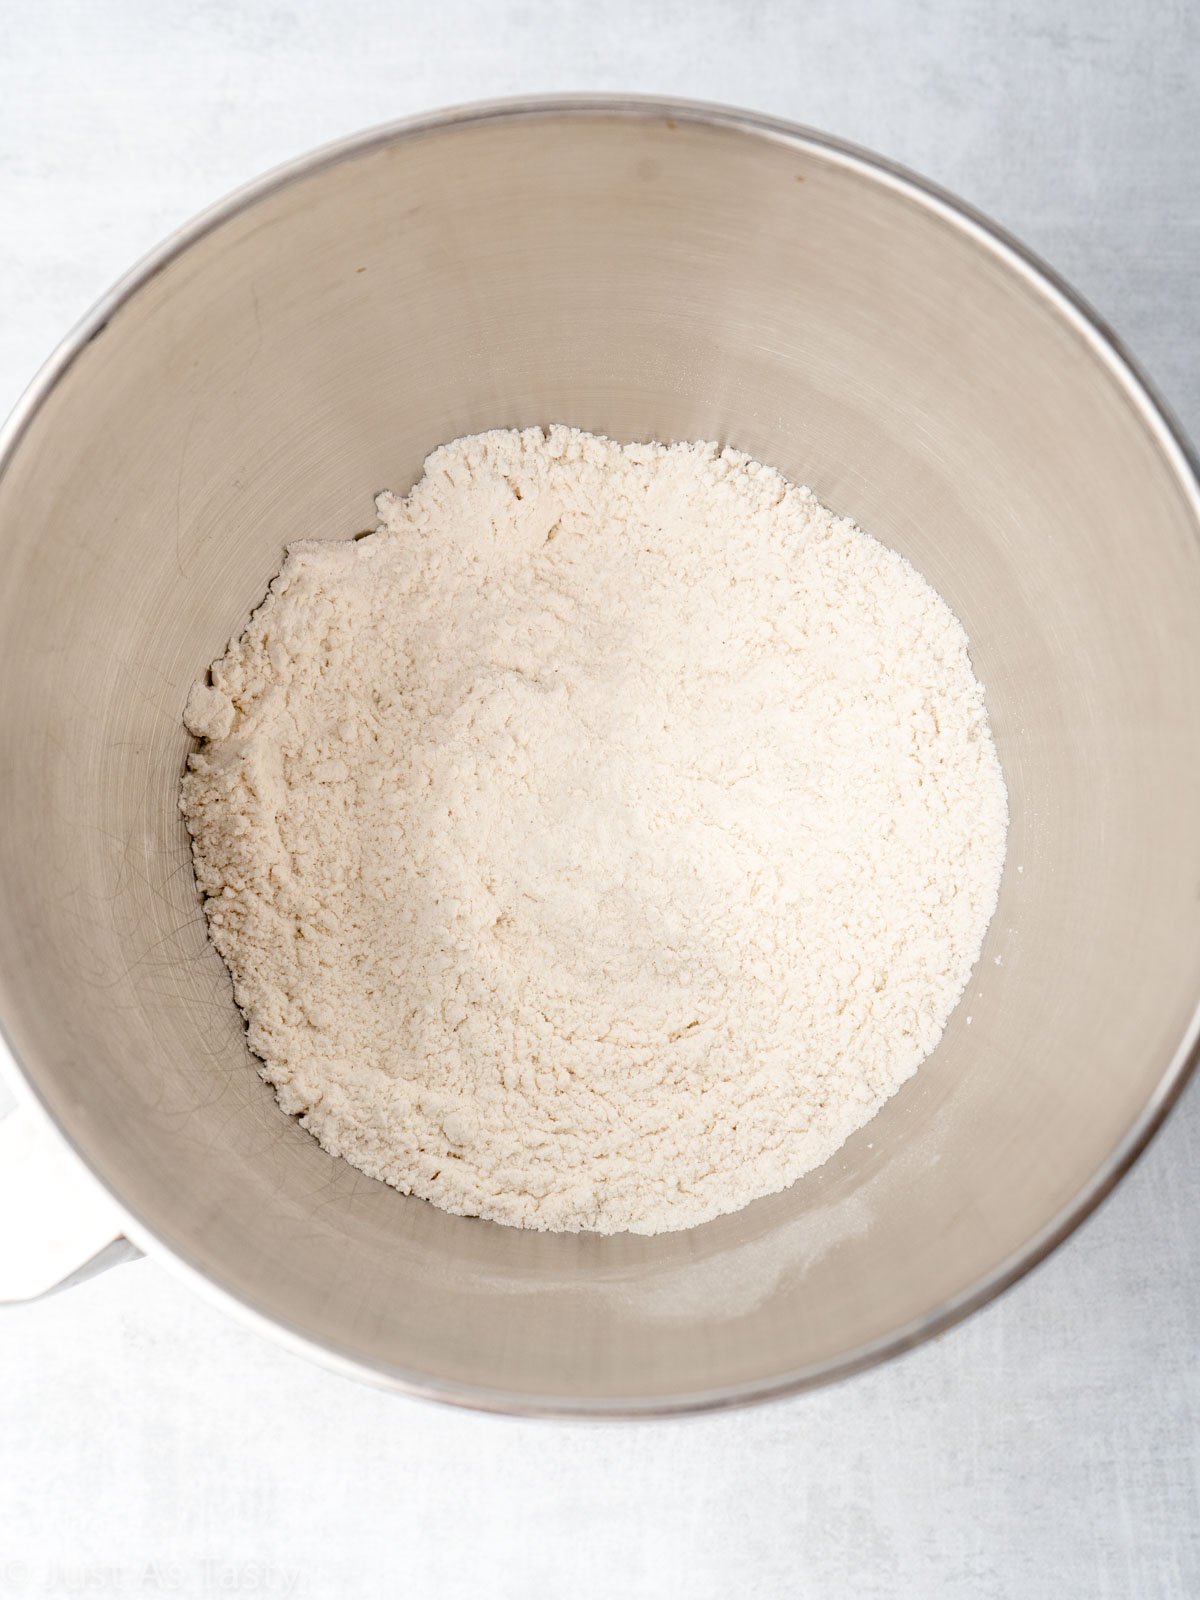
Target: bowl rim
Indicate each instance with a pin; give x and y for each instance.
(1102, 342)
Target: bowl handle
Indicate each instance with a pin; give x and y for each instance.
(57, 1225)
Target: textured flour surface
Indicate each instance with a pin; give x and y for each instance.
(602, 841)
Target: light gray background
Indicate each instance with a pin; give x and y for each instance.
(1048, 1447)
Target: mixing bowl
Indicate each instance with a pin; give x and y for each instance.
(643, 270)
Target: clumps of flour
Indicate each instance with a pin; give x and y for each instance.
(602, 841)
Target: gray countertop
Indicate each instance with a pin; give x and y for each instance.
(1049, 1446)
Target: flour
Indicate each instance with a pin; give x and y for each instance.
(603, 840)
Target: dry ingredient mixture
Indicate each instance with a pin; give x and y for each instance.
(602, 841)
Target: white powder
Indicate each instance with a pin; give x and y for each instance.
(601, 842)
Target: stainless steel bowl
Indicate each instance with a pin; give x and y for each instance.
(643, 270)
